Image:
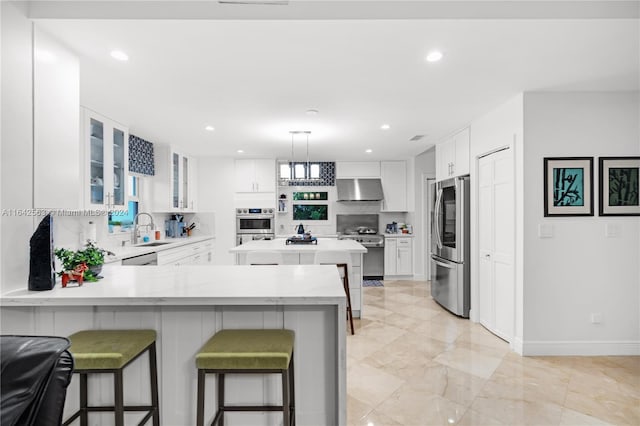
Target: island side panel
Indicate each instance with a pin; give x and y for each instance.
(181, 332)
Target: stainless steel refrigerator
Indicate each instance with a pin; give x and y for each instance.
(450, 246)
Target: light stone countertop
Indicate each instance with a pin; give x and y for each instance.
(398, 235)
(279, 245)
(140, 249)
(193, 285)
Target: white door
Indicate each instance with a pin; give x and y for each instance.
(496, 243)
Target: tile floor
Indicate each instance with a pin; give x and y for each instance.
(412, 363)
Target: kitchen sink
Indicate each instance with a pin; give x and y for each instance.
(153, 244)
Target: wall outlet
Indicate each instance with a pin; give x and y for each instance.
(596, 318)
(545, 230)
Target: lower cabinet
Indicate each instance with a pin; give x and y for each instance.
(200, 253)
(398, 256)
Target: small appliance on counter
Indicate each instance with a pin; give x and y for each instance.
(175, 227)
(392, 228)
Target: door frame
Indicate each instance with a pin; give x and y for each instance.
(425, 221)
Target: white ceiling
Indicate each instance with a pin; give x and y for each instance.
(253, 80)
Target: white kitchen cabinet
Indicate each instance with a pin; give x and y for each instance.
(198, 253)
(452, 156)
(174, 180)
(398, 256)
(394, 185)
(357, 169)
(255, 175)
(57, 156)
(106, 154)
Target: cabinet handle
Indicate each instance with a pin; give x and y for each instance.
(453, 168)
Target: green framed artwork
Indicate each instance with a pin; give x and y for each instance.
(568, 186)
(619, 186)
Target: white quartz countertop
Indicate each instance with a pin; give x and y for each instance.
(398, 235)
(280, 245)
(193, 285)
(140, 249)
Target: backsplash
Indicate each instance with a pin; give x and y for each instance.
(285, 225)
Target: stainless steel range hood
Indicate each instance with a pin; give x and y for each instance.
(359, 189)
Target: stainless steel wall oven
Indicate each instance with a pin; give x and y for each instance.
(254, 224)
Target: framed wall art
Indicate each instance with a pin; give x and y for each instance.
(619, 186)
(568, 186)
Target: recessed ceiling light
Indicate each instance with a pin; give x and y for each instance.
(240, 151)
(312, 112)
(119, 55)
(385, 127)
(210, 128)
(434, 56)
(368, 151)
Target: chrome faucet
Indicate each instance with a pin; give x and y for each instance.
(135, 235)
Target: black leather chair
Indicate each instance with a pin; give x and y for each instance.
(34, 376)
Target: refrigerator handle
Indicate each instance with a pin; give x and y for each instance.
(436, 211)
(444, 265)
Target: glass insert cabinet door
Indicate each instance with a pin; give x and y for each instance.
(175, 187)
(185, 183)
(119, 180)
(107, 161)
(96, 161)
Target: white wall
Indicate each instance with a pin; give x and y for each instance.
(579, 271)
(499, 128)
(424, 165)
(17, 184)
(216, 194)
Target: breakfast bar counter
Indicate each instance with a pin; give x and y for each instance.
(186, 305)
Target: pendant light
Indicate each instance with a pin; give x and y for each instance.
(305, 171)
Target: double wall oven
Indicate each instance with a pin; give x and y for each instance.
(254, 224)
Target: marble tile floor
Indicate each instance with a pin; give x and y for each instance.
(413, 363)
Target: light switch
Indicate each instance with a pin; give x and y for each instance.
(545, 230)
(611, 230)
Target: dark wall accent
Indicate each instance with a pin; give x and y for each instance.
(327, 175)
(141, 156)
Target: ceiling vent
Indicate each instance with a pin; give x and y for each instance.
(417, 138)
(257, 2)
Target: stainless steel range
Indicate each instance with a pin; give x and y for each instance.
(363, 228)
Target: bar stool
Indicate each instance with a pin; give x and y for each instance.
(110, 351)
(342, 260)
(247, 352)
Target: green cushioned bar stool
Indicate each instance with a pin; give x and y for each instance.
(247, 352)
(110, 351)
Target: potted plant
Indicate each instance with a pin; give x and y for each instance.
(92, 256)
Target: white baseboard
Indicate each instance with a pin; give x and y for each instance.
(585, 348)
(517, 345)
(419, 277)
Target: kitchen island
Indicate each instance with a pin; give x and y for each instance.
(304, 254)
(186, 305)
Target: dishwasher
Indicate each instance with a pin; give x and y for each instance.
(143, 259)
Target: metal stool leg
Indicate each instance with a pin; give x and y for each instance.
(292, 391)
(285, 399)
(84, 414)
(221, 398)
(200, 408)
(153, 372)
(118, 397)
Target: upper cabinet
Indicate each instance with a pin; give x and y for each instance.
(357, 169)
(394, 185)
(256, 175)
(106, 154)
(57, 171)
(452, 156)
(174, 181)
